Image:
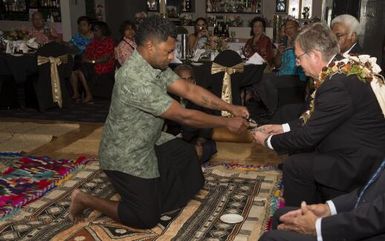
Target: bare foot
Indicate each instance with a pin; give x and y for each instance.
(77, 207)
(88, 100)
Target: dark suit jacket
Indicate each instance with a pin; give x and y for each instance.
(356, 50)
(361, 223)
(346, 132)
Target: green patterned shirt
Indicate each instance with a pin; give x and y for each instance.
(133, 126)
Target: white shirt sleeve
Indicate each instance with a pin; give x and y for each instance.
(268, 142)
(285, 127)
(332, 207)
(318, 229)
(333, 211)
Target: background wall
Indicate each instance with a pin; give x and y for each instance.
(372, 22)
(117, 11)
(268, 7)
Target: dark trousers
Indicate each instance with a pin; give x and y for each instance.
(300, 184)
(144, 200)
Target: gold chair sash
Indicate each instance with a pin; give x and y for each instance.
(226, 87)
(55, 79)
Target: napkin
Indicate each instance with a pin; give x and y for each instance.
(255, 59)
(198, 54)
(32, 43)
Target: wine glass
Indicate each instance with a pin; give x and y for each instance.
(232, 34)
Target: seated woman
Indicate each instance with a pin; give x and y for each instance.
(259, 42)
(199, 38)
(285, 59)
(127, 46)
(99, 55)
(43, 34)
(80, 41)
(279, 97)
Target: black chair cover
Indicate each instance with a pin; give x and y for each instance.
(43, 83)
(214, 82)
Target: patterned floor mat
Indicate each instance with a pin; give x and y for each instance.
(247, 193)
(25, 178)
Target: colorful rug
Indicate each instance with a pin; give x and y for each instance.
(25, 178)
(27, 136)
(247, 193)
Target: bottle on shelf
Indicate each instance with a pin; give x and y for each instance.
(227, 32)
(188, 5)
(216, 30)
(47, 25)
(220, 29)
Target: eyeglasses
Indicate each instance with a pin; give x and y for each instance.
(298, 58)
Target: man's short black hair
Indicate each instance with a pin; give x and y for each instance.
(155, 27)
(84, 18)
(103, 28)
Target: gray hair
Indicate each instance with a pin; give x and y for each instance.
(318, 36)
(349, 21)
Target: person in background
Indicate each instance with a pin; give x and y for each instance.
(279, 96)
(99, 54)
(285, 58)
(127, 45)
(80, 41)
(84, 35)
(259, 42)
(200, 137)
(200, 37)
(347, 29)
(43, 34)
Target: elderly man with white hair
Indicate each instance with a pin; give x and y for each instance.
(347, 29)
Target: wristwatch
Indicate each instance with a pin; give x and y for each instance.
(93, 61)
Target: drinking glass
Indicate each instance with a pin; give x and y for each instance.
(232, 34)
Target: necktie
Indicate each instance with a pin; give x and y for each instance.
(372, 179)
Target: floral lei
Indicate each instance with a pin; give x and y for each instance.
(363, 66)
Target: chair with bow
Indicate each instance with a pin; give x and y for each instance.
(225, 78)
(54, 68)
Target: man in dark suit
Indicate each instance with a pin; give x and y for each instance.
(358, 215)
(341, 142)
(347, 29)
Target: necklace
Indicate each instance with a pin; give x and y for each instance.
(363, 66)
